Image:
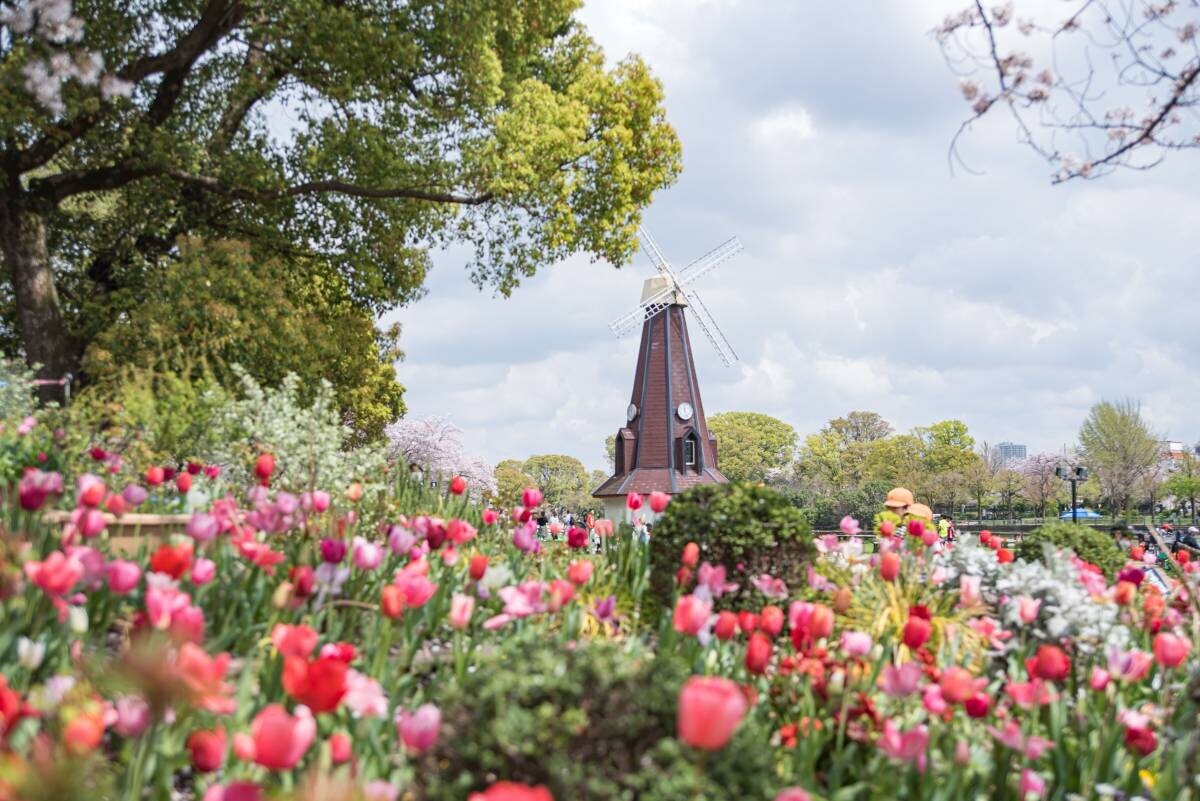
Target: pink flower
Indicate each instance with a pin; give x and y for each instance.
(203, 527)
(1099, 679)
(713, 579)
(1031, 693)
(691, 614)
(1031, 785)
(990, 630)
(133, 715)
(770, 586)
(277, 740)
(902, 681)
(793, 794)
(633, 501)
(367, 555)
(856, 643)
(461, 609)
(490, 516)
(524, 537)
(1129, 665)
(531, 497)
(35, 487)
(710, 709)
(968, 590)
(659, 501)
(909, 746)
(1027, 609)
(364, 696)
(123, 576)
(56, 575)
(234, 791)
(849, 526)
(419, 729)
(203, 571)
(1011, 736)
(1170, 650)
(933, 701)
(135, 495)
(416, 586)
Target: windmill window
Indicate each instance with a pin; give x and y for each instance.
(689, 451)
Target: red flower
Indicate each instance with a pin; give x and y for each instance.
(771, 620)
(1050, 663)
(977, 705)
(479, 564)
(392, 603)
(208, 749)
(659, 501)
(298, 640)
(511, 791)
(889, 566)
(691, 613)
(303, 580)
(183, 482)
(172, 560)
(1170, 650)
(726, 625)
(1004, 556)
(691, 555)
(339, 747)
(458, 485)
(957, 685)
(155, 476)
(710, 708)
(577, 537)
(916, 632)
(747, 621)
(319, 684)
(758, 653)
(1140, 740)
(264, 466)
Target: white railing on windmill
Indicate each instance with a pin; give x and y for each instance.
(671, 288)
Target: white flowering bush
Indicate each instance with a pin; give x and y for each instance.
(307, 439)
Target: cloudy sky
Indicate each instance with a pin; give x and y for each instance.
(872, 278)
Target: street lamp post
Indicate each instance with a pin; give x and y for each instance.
(1074, 476)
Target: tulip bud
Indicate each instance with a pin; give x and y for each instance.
(264, 466)
(842, 600)
(458, 485)
(30, 654)
(393, 601)
(282, 597)
(889, 566)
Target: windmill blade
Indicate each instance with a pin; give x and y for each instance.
(710, 328)
(631, 320)
(706, 263)
(652, 250)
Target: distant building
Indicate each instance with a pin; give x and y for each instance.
(1011, 452)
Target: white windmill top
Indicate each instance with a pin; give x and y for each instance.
(668, 288)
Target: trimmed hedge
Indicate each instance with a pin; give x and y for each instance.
(1087, 543)
(596, 721)
(749, 528)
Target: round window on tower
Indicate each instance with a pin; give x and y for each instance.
(684, 411)
(631, 412)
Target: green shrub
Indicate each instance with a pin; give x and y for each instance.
(596, 721)
(748, 528)
(16, 389)
(1087, 543)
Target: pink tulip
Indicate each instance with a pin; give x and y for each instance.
(691, 614)
(1099, 679)
(968, 590)
(856, 643)
(89, 522)
(203, 571)
(659, 501)
(90, 490)
(123, 576)
(203, 527)
(135, 495)
(461, 609)
(793, 794)
(234, 791)
(524, 537)
(133, 715)
(531, 497)
(367, 555)
(418, 730)
(1027, 609)
(849, 526)
(710, 709)
(490, 516)
(1031, 785)
(909, 746)
(900, 681)
(633, 501)
(1170, 650)
(277, 740)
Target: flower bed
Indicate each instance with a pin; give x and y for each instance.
(392, 642)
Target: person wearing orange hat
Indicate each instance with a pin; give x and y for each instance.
(898, 500)
(921, 512)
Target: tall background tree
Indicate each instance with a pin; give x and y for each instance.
(1184, 483)
(563, 480)
(1042, 485)
(490, 123)
(752, 446)
(1091, 86)
(1119, 448)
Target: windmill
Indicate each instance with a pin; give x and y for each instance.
(665, 444)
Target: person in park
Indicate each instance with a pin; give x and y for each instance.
(946, 528)
(898, 500)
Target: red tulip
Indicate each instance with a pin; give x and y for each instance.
(183, 482)
(633, 501)
(319, 684)
(458, 485)
(99, 454)
(957, 684)
(1004, 556)
(577, 537)
(747, 621)
(771, 620)
(208, 749)
(155, 476)
(889, 566)
(478, 566)
(726, 625)
(1050, 663)
(659, 501)
(56, 574)
(277, 740)
(511, 791)
(758, 653)
(691, 613)
(887, 528)
(114, 504)
(172, 560)
(710, 708)
(264, 466)
(392, 603)
(580, 571)
(978, 705)
(297, 640)
(339, 747)
(915, 528)
(490, 516)
(1170, 650)
(531, 497)
(691, 555)
(916, 632)
(1124, 593)
(1140, 740)
(91, 491)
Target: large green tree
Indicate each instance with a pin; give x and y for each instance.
(563, 480)
(752, 446)
(351, 135)
(1184, 483)
(1119, 447)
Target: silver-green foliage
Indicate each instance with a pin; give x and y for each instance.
(16, 389)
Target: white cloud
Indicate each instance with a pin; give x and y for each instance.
(784, 126)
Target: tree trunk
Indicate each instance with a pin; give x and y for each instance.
(43, 332)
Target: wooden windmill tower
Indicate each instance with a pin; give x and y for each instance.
(665, 444)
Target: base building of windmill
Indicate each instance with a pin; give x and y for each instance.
(665, 444)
